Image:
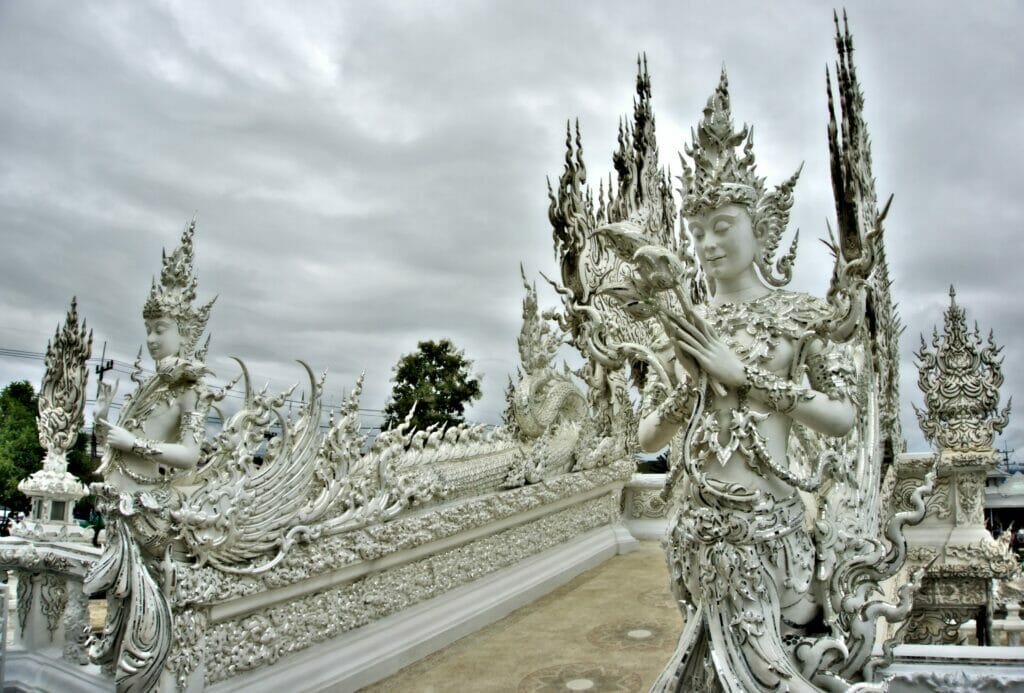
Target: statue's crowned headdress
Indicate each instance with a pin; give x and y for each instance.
(724, 172)
(174, 295)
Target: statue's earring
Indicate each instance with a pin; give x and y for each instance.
(761, 236)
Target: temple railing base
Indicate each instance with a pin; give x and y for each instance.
(920, 668)
(42, 672)
(342, 611)
(443, 574)
(378, 650)
(644, 513)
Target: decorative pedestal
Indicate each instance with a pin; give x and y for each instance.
(643, 511)
(53, 491)
(959, 377)
(961, 555)
(52, 609)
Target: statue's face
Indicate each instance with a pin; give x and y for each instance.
(163, 338)
(725, 241)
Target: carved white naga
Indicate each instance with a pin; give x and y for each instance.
(742, 559)
(270, 478)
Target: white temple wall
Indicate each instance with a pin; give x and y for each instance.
(344, 611)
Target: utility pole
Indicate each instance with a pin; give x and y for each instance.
(102, 367)
(1005, 452)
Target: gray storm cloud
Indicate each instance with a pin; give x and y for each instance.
(366, 177)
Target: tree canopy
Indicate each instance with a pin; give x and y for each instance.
(20, 452)
(21, 455)
(437, 377)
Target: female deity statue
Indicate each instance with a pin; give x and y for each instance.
(743, 369)
(148, 457)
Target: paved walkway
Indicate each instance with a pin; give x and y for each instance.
(610, 629)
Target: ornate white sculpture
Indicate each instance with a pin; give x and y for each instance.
(960, 380)
(960, 377)
(153, 449)
(230, 553)
(775, 547)
(185, 513)
(61, 401)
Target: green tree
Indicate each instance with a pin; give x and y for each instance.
(21, 455)
(83, 465)
(20, 452)
(437, 378)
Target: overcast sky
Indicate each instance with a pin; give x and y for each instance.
(369, 176)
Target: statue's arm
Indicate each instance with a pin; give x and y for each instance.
(192, 430)
(664, 407)
(182, 454)
(826, 407)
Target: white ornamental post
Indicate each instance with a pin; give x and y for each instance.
(53, 489)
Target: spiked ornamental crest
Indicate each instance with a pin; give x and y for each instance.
(724, 172)
(174, 295)
(960, 379)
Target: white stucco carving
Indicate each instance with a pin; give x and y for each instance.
(53, 489)
(769, 398)
(271, 502)
(243, 550)
(959, 377)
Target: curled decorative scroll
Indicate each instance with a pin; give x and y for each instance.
(53, 598)
(137, 634)
(938, 503)
(26, 591)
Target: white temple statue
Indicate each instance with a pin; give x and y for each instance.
(150, 455)
(780, 408)
(286, 551)
(741, 553)
(195, 522)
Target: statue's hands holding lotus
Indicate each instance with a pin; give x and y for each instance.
(655, 274)
(696, 342)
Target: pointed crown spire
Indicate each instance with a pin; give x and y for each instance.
(174, 295)
(724, 172)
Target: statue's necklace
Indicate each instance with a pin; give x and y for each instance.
(160, 394)
(754, 318)
(139, 477)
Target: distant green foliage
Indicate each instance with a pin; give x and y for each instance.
(20, 452)
(83, 466)
(437, 377)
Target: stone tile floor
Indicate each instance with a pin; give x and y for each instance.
(610, 629)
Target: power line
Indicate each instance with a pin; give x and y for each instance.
(125, 368)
